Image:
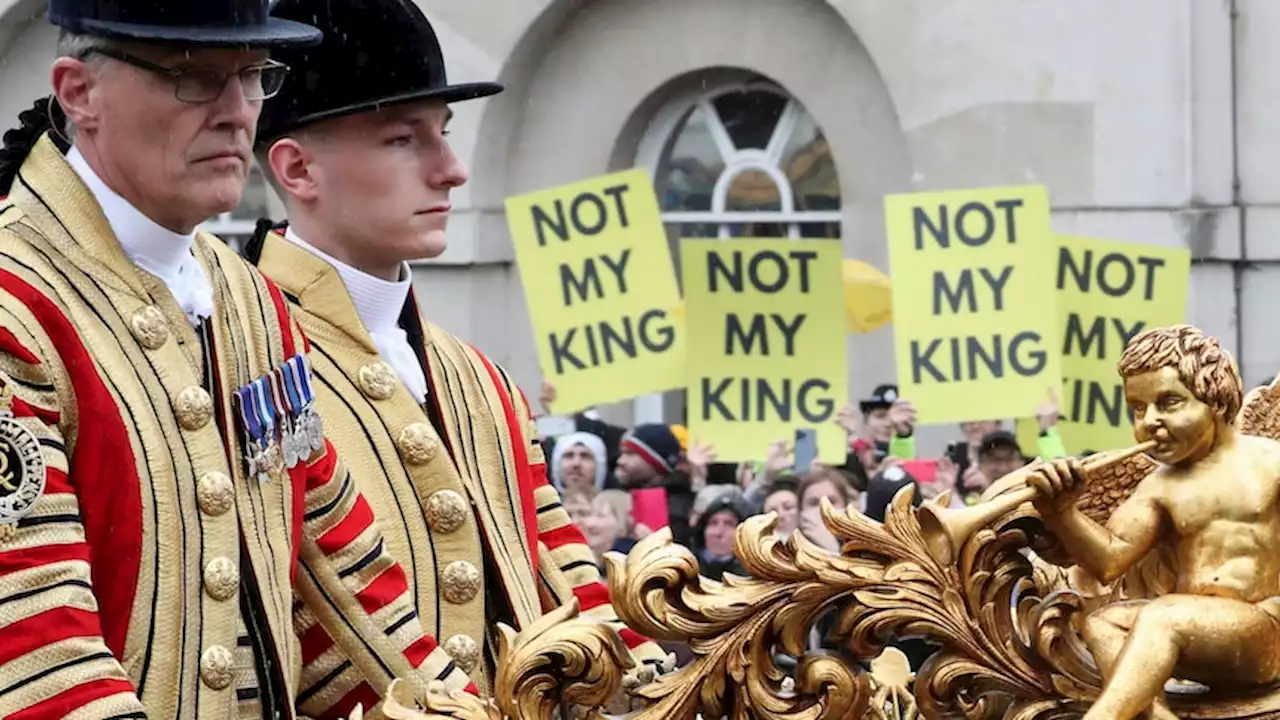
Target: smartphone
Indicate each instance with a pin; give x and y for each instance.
(806, 449)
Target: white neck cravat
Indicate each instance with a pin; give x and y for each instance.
(379, 303)
(156, 249)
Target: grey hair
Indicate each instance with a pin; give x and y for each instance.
(78, 45)
(81, 46)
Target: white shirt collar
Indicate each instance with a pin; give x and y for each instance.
(378, 302)
(145, 241)
(152, 247)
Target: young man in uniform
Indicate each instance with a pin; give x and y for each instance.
(151, 529)
(355, 144)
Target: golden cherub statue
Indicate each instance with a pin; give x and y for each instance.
(1169, 552)
(1215, 498)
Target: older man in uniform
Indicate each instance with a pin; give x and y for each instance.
(355, 143)
(150, 526)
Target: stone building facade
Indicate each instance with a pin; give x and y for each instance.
(1153, 121)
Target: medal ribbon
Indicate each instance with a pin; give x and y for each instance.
(260, 392)
(249, 413)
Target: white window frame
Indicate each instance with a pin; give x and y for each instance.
(669, 120)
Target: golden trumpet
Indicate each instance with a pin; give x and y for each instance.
(946, 530)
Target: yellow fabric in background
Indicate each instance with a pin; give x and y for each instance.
(868, 297)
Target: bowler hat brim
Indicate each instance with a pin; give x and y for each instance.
(276, 32)
(446, 94)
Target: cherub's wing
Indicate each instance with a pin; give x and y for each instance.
(1260, 413)
(1107, 486)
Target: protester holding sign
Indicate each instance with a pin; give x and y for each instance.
(1108, 292)
(600, 288)
(766, 344)
(969, 300)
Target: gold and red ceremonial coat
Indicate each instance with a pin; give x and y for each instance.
(151, 575)
(457, 483)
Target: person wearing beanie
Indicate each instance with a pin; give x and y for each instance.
(713, 538)
(648, 452)
(578, 462)
(648, 458)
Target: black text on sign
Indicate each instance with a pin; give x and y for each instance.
(972, 290)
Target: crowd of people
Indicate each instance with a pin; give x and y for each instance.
(599, 468)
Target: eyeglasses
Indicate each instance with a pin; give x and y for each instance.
(201, 85)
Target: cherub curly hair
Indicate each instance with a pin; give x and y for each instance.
(1208, 371)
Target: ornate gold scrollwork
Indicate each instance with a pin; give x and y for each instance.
(734, 626)
(562, 658)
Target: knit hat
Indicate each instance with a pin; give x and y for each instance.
(656, 444)
(590, 442)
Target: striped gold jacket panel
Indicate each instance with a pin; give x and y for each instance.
(119, 591)
(478, 491)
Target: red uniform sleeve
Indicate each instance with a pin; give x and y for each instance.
(54, 659)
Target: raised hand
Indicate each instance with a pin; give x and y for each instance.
(847, 418)
(903, 416)
(779, 457)
(547, 395)
(1049, 413)
(948, 474)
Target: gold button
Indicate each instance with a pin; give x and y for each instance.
(461, 581)
(464, 651)
(221, 578)
(215, 667)
(446, 511)
(194, 408)
(149, 327)
(213, 492)
(418, 445)
(377, 380)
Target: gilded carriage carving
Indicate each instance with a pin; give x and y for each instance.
(1019, 626)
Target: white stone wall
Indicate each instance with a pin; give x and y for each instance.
(1149, 120)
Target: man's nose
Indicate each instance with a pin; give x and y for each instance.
(451, 172)
(233, 109)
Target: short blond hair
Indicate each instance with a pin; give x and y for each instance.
(617, 502)
(1208, 371)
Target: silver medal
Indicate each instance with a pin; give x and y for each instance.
(315, 430)
(290, 447)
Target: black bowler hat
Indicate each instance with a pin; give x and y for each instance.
(219, 23)
(375, 53)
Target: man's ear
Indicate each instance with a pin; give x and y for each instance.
(290, 166)
(73, 85)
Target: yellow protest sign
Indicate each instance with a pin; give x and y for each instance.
(599, 283)
(766, 344)
(975, 332)
(1107, 293)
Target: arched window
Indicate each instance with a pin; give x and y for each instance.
(741, 159)
(748, 161)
